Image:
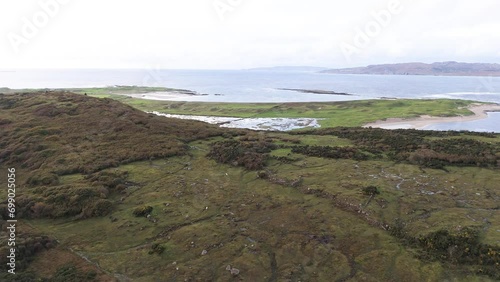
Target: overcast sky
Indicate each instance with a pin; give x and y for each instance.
(234, 34)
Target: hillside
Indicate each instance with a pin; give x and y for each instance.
(440, 68)
(64, 131)
(103, 186)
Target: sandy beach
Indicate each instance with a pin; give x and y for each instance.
(479, 110)
(163, 96)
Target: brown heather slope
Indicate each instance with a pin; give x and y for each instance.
(46, 135)
(64, 133)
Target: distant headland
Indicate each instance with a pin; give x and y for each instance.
(438, 69)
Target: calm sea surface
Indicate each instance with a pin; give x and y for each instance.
(261, 86)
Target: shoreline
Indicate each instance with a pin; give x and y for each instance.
(266, 124)
(163, 95)
(480, 112)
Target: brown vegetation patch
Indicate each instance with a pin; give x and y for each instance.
(65, 133)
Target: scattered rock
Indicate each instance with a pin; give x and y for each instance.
(235, 271)
(204, 252)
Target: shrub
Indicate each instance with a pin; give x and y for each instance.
(101, 208)
(263, 174)
(251, 155)
(156, 249)
(371, 191)
(43, 178)
(143, 211)
(41, 209)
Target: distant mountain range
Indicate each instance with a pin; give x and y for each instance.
(440, 68)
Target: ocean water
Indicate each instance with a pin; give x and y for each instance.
(262, 85)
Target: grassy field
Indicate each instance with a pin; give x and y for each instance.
(331, 114)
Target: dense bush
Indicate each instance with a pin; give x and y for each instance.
(100, 208)
(43, 178)
(114, 181)
(462, 247)
(252, 154)
(63, 201)
(370, 191)
(143, 211)
(27, 246)
(414, 146)
(156, 249)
